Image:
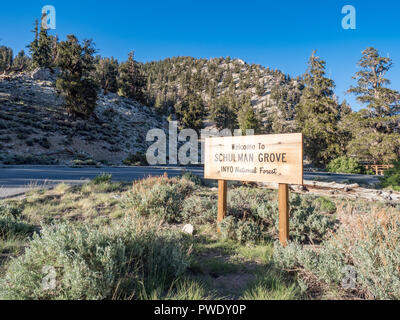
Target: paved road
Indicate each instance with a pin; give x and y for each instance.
(16, 180)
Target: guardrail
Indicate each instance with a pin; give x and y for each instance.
(379, 169)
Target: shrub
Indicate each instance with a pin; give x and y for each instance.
(242, 231)
(326, 264)
(101, 178)
(376, 255)
(10, 210)
(11, 223)
(138, 159)
(199, 210)
(370, 243)
(127, 260)
(101, 184)
(45, 143)
(310, 219)
(307, 222)
(392, 176)
(76, 163)
(228, 228)
(188, 175)
(345, 165)
(248, 231)
(29, 159)
(161, 196)
(11, 227)
(326, 205)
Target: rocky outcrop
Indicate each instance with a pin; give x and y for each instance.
(45, 74)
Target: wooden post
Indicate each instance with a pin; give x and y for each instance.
(283, 196)
(222, 200)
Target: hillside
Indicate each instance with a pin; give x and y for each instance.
(272, 93)
(34, 127)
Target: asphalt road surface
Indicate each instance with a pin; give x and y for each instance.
(15, 180)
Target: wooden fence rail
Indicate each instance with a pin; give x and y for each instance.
(379, 169)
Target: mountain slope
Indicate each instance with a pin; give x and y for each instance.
(34, 126)
(271, 92)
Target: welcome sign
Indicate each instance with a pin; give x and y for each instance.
(262, 158)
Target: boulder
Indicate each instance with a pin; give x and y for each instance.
(188, 229)
(44, 74)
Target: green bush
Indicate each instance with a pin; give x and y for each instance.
(199, 210)
(11, 223)
(308, 223)
(11, 227)
(10, 210)
(345, 165)
(126, 261)
(311, 219)
(138, 159)
(159, 196)
(392, 176)
(243, 231)
(101, 178)
(76, 163)
(188, 175)
(327, 264)
(326, 205)
(29, 159)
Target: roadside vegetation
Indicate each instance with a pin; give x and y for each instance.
(110, 240)
(391, 178)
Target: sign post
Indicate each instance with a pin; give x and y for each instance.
(264, 158)
(283, 199)
(222, 200)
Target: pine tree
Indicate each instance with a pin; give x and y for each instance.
(34, 45)
(106, 74)
(159, 103)
(317, 114)
(190, 112)
(248, 118)
(376, 137)
(131, 81)
(76, 62)
(41, 48)
(286, 94)
(54, 48)
(260, 88)
(6, 59)
(223, 113)
(344, 123)
(21, 62)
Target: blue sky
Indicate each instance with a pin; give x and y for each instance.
(277, 34)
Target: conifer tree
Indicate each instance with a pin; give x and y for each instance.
(286, 94)
(6, 59)
(317, 114)
(248, 118)
(160, 103)
(131, 81)
(345, 117)
(34, 45)
(223, 113)
(190, 112)
(21, 62)
(106, 74)
(76, 62)
(376, 137)
(41, 48)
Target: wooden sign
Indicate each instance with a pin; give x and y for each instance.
(263, 158)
